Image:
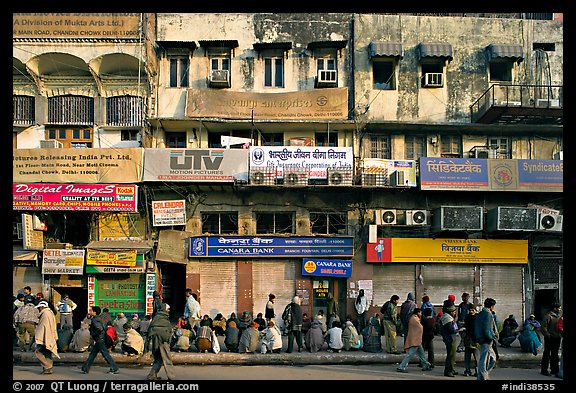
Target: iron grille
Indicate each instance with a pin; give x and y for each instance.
(71, 110)
(23, 109)
(125, 111)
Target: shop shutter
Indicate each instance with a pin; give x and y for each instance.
(441, 280)
(392, 279)
(505, 285)
(277, 277)
(218, 283)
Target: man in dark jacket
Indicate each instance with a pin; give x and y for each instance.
(429, 327)
(294, 326)
(406, 310)
(486, 332)
(159, 335)
(97, 332)
(552, 338)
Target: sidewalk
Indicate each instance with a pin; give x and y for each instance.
(508, 356)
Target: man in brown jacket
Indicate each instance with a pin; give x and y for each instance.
(413, 343)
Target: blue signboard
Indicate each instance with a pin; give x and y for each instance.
(270, 246)
(541, 175)
(327, 267)
(453, 173)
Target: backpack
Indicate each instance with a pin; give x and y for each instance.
(385, 307)
(287, 315)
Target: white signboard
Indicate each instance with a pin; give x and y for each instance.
(313, 159)
(61, 261)
(378, 165)
(166, 213)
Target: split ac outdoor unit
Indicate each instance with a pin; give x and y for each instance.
(386, 217)
(433, 79)
(340, 176)
(398, 178)
(50, 144)
(263, 177)
(416, 217)
(512, 219)
(296, 178)
(220, 78)
(550, 222)
(327, 76)
(458, 218)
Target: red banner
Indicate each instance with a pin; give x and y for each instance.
(87, 197)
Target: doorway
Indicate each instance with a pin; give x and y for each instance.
(543, 299)
(173, 277)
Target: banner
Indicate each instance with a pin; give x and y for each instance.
(387, 167)
(70, 165)
(111, 258)
(327, 267)
(167, 213)
(62, 261)
(196, 165)
(412, 250)
(86, 197)
(315, 104)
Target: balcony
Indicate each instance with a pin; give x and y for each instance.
(519, 104)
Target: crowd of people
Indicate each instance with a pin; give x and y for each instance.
(466, 327)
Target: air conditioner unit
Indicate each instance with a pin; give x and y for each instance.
(545, 103)
(550, 222)
(398, 178)
(458, 218)
(559, 155)
(296, 178)
(327, 76)
(386, 217)
(220, 78)
(512, 219)
(50, 144)
(263, 177)
(375, 179)
(340, 177)
(416, 217)
(433, 79)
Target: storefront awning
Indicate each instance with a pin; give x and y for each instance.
(501, 51)
(385, 49)
(141, 246)
(439, 49)
(19, 254)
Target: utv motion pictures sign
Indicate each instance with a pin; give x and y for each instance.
(246, 246)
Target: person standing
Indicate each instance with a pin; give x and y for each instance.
(192, 310)
(471, 347)
(413, 343)
(156, 303)
(486, 332)
(463, 308)
(65, 307)
(293, 323)
(159, 336)
(46, 338)
(449, 331)
(406, 310)
(26, 319)
(552, 338)
(269, 313)
(390, 321)
(98, 331)
(361, 306)
(331, 309)
(428, 322)
(426, 303)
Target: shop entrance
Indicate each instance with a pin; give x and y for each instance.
(320, 288)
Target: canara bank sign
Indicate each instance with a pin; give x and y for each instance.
(327, 267)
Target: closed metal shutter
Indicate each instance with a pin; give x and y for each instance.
(505, 285)
(218, 284)
(392, 279)
(277, 277)
(441, 280)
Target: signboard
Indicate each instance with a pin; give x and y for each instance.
(166, 213)
(327, 267)
(85, 197)
(150, 288)
(111, 258)
(314, 160)
(121, 226)
(196, 165)
(248, 246)
(31, 239)
(139, 267)
(491, 174)
(412, 250)
(62, 261)
(377, 165)
(126, 293)
(71, 165)
(314, 104)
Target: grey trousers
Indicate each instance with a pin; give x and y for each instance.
(162, 358)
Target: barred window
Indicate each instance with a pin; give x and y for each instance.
(268, 223)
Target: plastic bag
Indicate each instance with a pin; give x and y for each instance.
(215, 343)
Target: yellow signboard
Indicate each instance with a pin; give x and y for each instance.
(111, 258)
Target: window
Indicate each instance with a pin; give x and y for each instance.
(326, 139)
(328, 223)
(501, 70)
(414, 147)
(379, 146)
(274, 72)
(215, 141)
(179, 66)
(273, 139)
(432, 73)
(451, 146)
(499, 147)
(129, 135)
(71, 137)
(268, 223)
(69, 109)
(219, 63)
(326, 74)
(176, 139)
(220, 223)
(383, 73)
(125, 111)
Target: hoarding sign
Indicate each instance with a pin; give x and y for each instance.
(167, 213)
(62, 261)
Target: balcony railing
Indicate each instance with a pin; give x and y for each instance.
(23, 110)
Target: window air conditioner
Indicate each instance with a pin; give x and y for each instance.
(220, 78)
(479, 153)
(386, 217)
(512, 219)
(327, 76)
(458, 218)
(263, 177)
(339, 177)
(416, 217)
(296, 178)
(50, 144)
(433, 79)
(550, 222)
